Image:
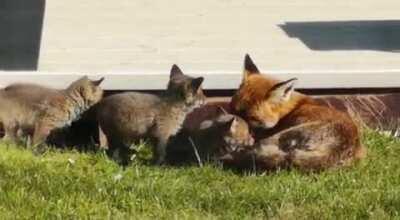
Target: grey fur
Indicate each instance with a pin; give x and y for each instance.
(34, 110)
(128, 117)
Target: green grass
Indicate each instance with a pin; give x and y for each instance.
(74, 185)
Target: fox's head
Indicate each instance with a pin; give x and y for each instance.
(262, 101)
(186, 88)
(86, 90)
(233, 130)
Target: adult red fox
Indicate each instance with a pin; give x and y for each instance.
(293, 129)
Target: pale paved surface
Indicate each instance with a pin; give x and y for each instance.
(209, 35)
(101, 36)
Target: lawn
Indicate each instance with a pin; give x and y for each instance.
(69, 184)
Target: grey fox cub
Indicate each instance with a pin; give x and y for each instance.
(211, 132)
(126, 118)
(34, 110)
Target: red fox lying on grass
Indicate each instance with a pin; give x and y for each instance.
(293, 129)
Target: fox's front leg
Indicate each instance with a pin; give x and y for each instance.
(40, 134)
(159, 151)
(11, 131)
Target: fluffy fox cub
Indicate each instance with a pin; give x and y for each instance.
(126, 118)
(30, 109)
(209, 132)
(295, 130)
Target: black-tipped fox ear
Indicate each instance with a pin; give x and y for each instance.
(225, 122)
(98, 82)
(175, 71)
(196, 83)
(249, 65)
(228, 124)
(249, 68)
(282, 91)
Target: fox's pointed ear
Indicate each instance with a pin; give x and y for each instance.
(249, 68)
(196, 83)
(226, 122)
(249, 65)
(230, 122)
(98, 82)
(282, 91)
(231, 125)
(175, 72)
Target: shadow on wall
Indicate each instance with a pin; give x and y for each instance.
(382, 35)
(21, 24)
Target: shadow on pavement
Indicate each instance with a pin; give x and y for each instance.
(379, 35)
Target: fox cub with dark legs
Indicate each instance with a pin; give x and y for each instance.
(293, 129)
(208, 133)
(35, 111)
(126, 118)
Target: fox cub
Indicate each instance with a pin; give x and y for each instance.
(293, 129)
(126, 118)
(35, 111)
(209, 132)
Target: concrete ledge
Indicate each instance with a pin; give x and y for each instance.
(323, 79)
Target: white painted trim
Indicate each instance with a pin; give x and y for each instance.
(213, 80)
